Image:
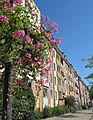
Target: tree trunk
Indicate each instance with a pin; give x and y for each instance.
(7, 93)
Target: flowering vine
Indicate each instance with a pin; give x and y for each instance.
(25, 42)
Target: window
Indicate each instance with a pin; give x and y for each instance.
(51, 92)
(55, 81)
(54, 66)
(59, 94)
(59, 81)
(58, 68)
(57, 56)
(62, 73)
(61, 61)
(44, 92)
(53, 53)
(50, 78)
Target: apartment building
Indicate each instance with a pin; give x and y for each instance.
(64, 81)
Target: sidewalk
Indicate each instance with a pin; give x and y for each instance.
(79, 115)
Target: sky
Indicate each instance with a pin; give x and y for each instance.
(75, 21)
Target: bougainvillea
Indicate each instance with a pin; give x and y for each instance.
(24, 41)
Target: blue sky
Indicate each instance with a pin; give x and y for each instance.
(75, 20)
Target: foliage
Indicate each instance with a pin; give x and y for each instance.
(0, 101)
(37, 115)
(89, 77)
(47, 112)
(84, 107)
(70, 101)
(23, 104)
(50, 112)
(24, 41)
(89, 65)
(58, 110)
(91, 92)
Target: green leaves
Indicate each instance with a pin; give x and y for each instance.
(23, 103)
(13, 46)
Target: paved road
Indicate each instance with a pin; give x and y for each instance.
(79, 115)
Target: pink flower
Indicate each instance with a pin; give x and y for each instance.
(20, 61)
(18, 33)
(3, 18)
(50, 24)
(44, 72)
(48, 68)
(41, 82)
(7, 3)
(55, 24)
(47, 81)
(9, 9)
(30, 3)
(33, 13)
(51, 50)
(28, 55)
(50, 61)
(1, 2)
(56, 30)
(47, 61)
(49, 35)
(26, 38)
(39, 59)
(47, 18)
(38, 28)
(38, 45)
(31, 30)
(19, 82)
(18, 1)
(58, 40)
(53, 42)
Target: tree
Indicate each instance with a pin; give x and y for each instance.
(24, 46)
(70, 101)
(91, 92)
(89, 65)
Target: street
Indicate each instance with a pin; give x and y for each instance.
(79, 115)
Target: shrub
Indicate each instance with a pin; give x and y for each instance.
(84, 107)
(72, 109)
(37, 115)
(70, 101)
(58, 110)
(47, 112)
(66, 109)
(1, 102)
(23, 105)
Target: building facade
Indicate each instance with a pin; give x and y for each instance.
(63, 81)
